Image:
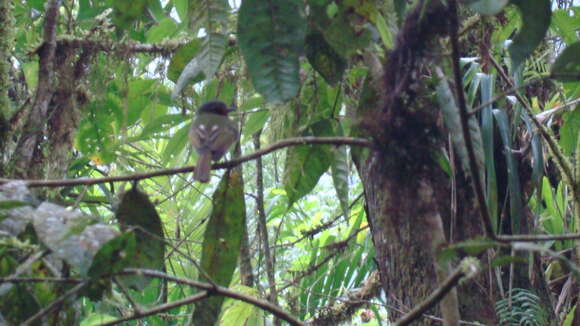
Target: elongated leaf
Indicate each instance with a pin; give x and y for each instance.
(305, 164)
(536, 16)
(453, 124)
(567, 66)
(512, 170)
(339, 169)
(487, 7)
(137, 212)
(221, 242)
(537, 153)
(271, 37)
(487, 127)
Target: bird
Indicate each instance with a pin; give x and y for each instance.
(211, 133)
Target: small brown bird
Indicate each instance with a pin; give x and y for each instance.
(212, 132)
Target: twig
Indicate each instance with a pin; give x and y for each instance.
(54, 304)
(187, 169)
(263, 226)
(116, 47)
(537, 237)
(544, 115)
(160, 308)
(218, 290)
(464, 117)
(432, 300)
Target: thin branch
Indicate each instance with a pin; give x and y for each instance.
(116, 47)
(160, 308)
(46, 310)
(263, 225)
(544, 115)
(464, 117)
(537, 237)
(187, 169)
(217, 290)
(432, 300)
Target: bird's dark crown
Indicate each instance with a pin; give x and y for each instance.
(215, 107)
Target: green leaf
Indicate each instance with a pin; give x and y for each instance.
(213, 48)
(164, 29)
(487, 7)
(237, 312)
(182, 56)
(452, 121)
(31, 74)
(567, 65)
(9, 204)
(305, 164)
(182, 8)
(570, 130)
(323, 58)
(565, 25)
(138, 97)
(536, 17)
(271, 37)
(384, 32)
(343, 37)
(221, 242)
(339, 169)
(95, 319)
(161, 124)
(512, 171)
(138, 213)
(111, 258)
(255, 122)
(176, 143)
(126, 12)
(487, 129)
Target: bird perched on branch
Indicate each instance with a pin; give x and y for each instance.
(212, 132)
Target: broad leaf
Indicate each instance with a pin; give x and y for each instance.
(137, 213)
(536, 17)
(305, 164)
(271, 37)
(221, 242)
(567, 65)
(323, 58)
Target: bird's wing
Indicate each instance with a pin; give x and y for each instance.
(203, 137)
(228, 135)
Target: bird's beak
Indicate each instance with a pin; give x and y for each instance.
(232, 109)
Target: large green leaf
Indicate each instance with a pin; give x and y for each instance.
(182, 56)
(567, 65)
(271, 37)
(221, 242)
(536, 16)
(126, 12)
(323, 58)
(137, 212)
(565, 25)
(305, 164)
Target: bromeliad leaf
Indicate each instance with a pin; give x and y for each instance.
(271, 37)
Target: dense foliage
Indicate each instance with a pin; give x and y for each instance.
(362, 114)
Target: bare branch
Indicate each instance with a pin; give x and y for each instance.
(187, 169)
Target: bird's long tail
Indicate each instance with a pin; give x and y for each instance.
(202, 168)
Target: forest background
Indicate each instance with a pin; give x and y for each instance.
(399, 162)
